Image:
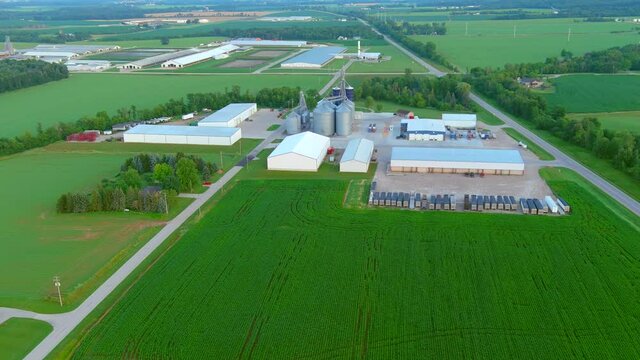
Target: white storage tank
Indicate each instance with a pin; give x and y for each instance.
(293, 124)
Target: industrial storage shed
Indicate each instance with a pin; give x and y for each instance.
(460, 121)
(192, 135)
(314, 58)
(300, 152)
(216, 53)
(230, 116)
(357, 156)
(456, 160)
(423, 129)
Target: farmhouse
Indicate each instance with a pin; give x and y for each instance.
(314, 58)
(456, 160)
(357, 156)
(218, 53)
(530, 83)
(423, 129)
(300, 152)
(230, 116)
(173, 134)
(460, 121)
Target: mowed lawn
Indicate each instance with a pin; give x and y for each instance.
(491, 43)
(83, 249)
(620, 121)
(19, 336)
(280, 269)
(86, 94)
(596, 93)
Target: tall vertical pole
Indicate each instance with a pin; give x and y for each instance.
(514, 31)
(569, 35)
(466, 28)
(56, 283)
(221, 163)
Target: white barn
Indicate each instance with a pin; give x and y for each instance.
(174, 134)
(357, 156)
(460, 121)
(300, 152)
(231, 115)
(187, 60)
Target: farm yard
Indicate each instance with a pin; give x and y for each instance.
(85, 94)
(288, 264)
(595, 93)
(80, 248)
(491, 43)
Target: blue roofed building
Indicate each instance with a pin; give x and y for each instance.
(314, 58)
(456, 160)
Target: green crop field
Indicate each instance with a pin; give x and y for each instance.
(491, 43)
(596, 93)
(280, 269)
(19, 336)
(620, 121)
(80, 248)
(85, 94)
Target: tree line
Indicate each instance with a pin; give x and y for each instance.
(298, 32)
(426, 50)
(445, 94)
(137, 185)
(408, 28)
(267, 97)
(620, 148)
(16, 74)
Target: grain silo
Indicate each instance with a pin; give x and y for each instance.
(335, 91)
(350, 93)
(344, 118)
(293, 124)
(324, 118)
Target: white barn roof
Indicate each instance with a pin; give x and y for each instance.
(424, 125)
(182, 130)
(315, 57)
(227, 113)
(260, 42)
(358, 150)
(307, 144)
(457, 155)
(204, 55)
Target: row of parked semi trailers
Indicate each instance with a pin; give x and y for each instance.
(471, 202)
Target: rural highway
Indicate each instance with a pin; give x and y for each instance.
(64, 323)
(561, 158)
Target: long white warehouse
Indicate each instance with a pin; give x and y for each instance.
(456, 160)
(216, 53)
(300, 152)
(260, 42)
(357, 156)
(174, 134)
(460, 121)
(230, 116)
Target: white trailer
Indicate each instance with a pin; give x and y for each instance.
(553, 207)
(188, 116)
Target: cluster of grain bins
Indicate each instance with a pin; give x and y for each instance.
(544, 206)
(490, 202)
(333, 119)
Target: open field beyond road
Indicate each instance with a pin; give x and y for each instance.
(620, 121)
(491, 43)
(19, 336)
(85, 94)
(596, 93)
(285, 271)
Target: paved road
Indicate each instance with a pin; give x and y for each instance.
(64, 323)
(335, 77)
(274, 63)
(561, 158)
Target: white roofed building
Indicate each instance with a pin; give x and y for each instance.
(357, 156)
(423, 129)
(216, 53)
(456, 160)
(460, 121)
(259, 42)
(231, 115)
(300, 152)
(177, 134)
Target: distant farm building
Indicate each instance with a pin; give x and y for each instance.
(230, 116)
(87, 65)
(300, 152)
(217, 53)
(456, 160)
(174, 134)
(259, 42)
(154, 60)
(530, 82)
(423, 129)
(314, 58)
(460, 121)
(357, 156)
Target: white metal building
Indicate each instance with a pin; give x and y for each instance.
(157, 59)
(456, 160)
(87, 65)
(460, 121)
(199, 57)
(174, 134)
(230, 116)
(423, 129)
(259, 42)
(56, 54)
(314, 58)
(300, 152)
(357, 156)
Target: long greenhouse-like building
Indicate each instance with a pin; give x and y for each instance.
(217, 53)
(314, 58)
(456, 160)
(175, 134)
(230, 116)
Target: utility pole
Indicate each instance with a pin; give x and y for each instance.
(56, 283)
(466, 28)
(221, 163)
(569, 35)
(514, 31)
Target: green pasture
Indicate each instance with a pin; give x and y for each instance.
(86, 94)
(83, 249)
(19, 336)
(285, 271)
(492, 44)
(619, 121)
(595, 93)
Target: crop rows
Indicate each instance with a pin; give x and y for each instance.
(279, 269)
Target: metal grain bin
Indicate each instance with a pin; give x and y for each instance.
(335, 91)
(293, 124)
(344, 119)
(350, 93)
(324, 119)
